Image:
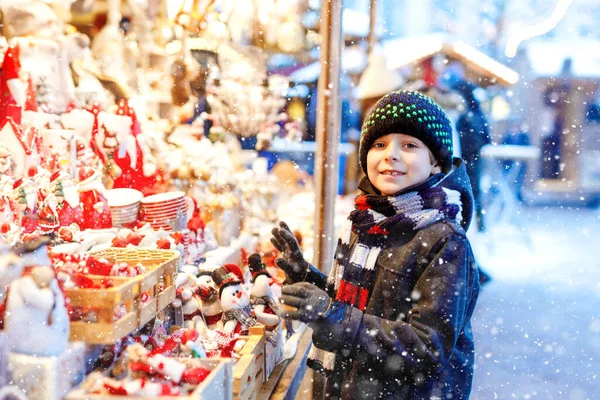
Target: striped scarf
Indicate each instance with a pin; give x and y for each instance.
(374, 217)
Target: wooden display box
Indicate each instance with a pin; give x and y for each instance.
(273, 353)
(249, 370)
(105, 330)
(216, 386)
(46, 378)
(158, 282)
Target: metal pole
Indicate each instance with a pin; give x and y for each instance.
(372, 40)
(327, 132)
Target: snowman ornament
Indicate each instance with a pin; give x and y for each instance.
(36, 319)
(235, 300)
(187, 291)
(261, 296)
(210, 306)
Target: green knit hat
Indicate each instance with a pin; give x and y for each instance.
(410, 113)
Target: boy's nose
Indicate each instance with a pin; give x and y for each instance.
(393, 154)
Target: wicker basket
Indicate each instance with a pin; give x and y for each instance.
(157, 282)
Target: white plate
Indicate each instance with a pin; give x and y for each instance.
(123, 197)
(162, 197)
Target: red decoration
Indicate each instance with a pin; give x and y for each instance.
(30, 103)
(133, 177)
(163, 243)
(11, 68)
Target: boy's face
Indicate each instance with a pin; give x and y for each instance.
(397, 161)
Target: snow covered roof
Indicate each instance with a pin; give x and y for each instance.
(27, 136)
(546, 56)
(414, 49)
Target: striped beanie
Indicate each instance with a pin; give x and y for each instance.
(410, 113)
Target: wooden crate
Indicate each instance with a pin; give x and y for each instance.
(245, 386)
(255, 344)
(216, 386)
(248, 371)
(105, 330)
(273, 353)
(158, 282)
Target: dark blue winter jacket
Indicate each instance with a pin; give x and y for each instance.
(414, 339)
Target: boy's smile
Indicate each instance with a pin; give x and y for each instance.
(397, 161)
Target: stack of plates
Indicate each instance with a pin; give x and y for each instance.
(166, 211)
(124, 205)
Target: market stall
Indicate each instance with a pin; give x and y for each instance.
(135, 219)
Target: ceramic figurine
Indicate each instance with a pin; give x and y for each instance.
(24, 200)
(11, 268)
(261, 296)
(96, 213)
(7, 162)
(68, 207)
(44, 56)
(36, 319)
(131, 157)
(235, 301)
(12, 88)
(47, 215)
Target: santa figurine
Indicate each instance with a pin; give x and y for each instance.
(235, 301)
(48, 215)
(135, 173)
(36, 319)
(24, 200)
(68, 207)
(210, 306)
(261, 296)
(96, 213)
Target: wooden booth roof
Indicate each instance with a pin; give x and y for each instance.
(414, 49)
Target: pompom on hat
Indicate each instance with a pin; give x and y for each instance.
(256, 266)
(410, 113)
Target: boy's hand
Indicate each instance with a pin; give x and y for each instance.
(292, 260)
(308, 302)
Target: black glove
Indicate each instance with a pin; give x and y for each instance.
(292, 261)
(308, 302)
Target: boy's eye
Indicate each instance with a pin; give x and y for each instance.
(411, 145)
(378, 145)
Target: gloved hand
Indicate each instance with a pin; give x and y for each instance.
(308, 302)
(292, 261)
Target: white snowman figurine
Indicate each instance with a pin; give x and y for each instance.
(11, 268)
(36, 320)
(210, 306)
(235, 300)
(261, 296)
(187, 294)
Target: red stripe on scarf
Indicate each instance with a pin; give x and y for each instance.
(363, 296)
(350, 293)
(347, 292)
(361, 203)
(377, 230)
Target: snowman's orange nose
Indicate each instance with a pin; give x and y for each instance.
(239, 295)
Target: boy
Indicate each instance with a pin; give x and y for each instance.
(392, 320)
